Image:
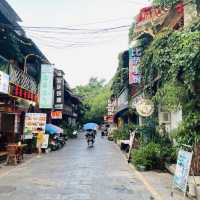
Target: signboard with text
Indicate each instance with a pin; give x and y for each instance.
(182, 170)
(46, 86)
(32, 122)
(4, 82)
(59, 89)
(56, 115)
(134, 60)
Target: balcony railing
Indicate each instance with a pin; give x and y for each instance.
(18, 77)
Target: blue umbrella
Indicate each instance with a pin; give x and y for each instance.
(52, 129)
(88, 126)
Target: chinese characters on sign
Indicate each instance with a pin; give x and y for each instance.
(46, 86)
(56, 115)
(32, 122)
(134, 60)
(182, 169)
(4, 82)
(59, 89)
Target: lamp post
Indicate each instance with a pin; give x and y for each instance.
(26, 58)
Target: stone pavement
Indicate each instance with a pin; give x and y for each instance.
(75, 173)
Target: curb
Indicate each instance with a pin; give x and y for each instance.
(149, 187)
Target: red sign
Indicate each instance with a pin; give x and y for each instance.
(56, 115)
(151, 13)
(108, 118)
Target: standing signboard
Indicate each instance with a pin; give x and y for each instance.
(46, 86)
(4, 82)
(46, 141)
(32, 122)
(59, 89)
(131, 141)
(182, 170)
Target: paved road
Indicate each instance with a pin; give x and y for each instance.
(75, 173)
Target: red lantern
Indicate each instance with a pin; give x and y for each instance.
(25, 94)
(20, 92)
(16, 90)
(29, 94)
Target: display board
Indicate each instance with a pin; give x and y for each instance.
(182, 170)
(32, 122)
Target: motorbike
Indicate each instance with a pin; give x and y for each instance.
(90, 138)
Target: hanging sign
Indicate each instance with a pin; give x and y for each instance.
(134, 60)
(32, 122)
(182, 170)
(4, 82)
(145, 107)
(56, 115)
(46, 86)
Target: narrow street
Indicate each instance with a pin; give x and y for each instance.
(75, 173)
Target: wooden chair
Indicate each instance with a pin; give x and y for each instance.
(13, 155)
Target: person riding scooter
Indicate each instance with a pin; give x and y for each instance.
(90, 137)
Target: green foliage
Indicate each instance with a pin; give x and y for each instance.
(123, 132)
(120, 79)
(174, 57)
(68, 131)
(153, 155)
(189, 130)
(94, 100)
(170, 96)
(131, 32)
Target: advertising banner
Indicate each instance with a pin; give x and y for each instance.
(32, 122)
(4, 82)
(182, 170)
(46, 86)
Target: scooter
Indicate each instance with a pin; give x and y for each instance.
(90, 138)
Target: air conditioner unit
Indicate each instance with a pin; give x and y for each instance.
(164, 117)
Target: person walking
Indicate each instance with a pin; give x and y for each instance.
(40, 140)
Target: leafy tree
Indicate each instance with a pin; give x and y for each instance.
(94, 100)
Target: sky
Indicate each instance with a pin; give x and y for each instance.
(96, 55)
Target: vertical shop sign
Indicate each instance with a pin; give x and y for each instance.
(59, 89)
(46, 86)
(134, 60)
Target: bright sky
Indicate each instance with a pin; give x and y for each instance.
(99, 57)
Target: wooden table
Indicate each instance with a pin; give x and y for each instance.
(15, 153)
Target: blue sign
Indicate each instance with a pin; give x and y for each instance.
(182, 169)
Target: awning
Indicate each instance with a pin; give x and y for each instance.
(53, 129)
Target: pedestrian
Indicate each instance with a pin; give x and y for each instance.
(40, 140)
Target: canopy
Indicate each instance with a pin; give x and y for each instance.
(53, 129)
(88, 126)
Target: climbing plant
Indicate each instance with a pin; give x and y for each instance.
(120, 79)
(173, 58)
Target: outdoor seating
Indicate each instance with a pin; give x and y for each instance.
(15, 154)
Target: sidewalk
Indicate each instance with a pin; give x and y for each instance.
(159, 183)
(6, 169)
